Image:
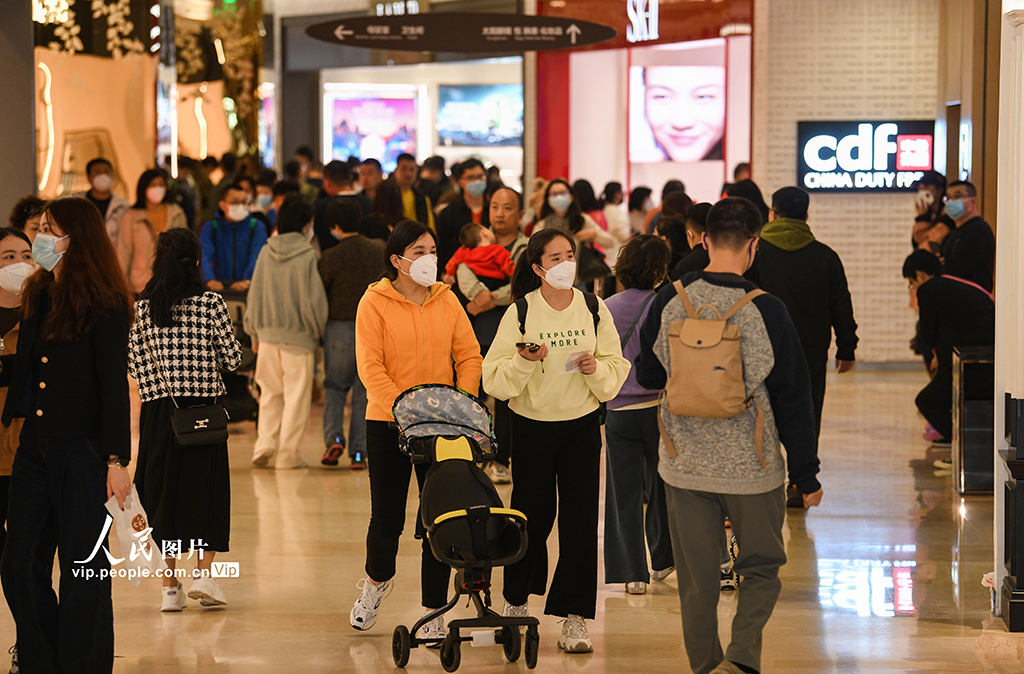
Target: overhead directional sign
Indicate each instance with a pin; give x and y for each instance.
(468, 33)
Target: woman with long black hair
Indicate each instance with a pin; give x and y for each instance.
(555, 358)
(182, 335)
(69, 380)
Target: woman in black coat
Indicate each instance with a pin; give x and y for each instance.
(69, 380)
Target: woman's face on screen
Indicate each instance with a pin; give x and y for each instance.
(685, 106)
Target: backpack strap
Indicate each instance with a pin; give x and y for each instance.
(592, 305)
(687, 303)
(521, 307)
(742, 303)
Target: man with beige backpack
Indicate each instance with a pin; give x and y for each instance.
(736, 387)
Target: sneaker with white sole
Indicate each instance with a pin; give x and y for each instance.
(364, 612)
(174, 599)
(636, 587)
(433, 630)
(498, 473)
(513, 611)
(728, 578)
(662, 574)
(944, 464)
(207, 591)
(574, 637)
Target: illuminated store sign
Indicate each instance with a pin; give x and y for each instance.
(863, 156)
(643, 20)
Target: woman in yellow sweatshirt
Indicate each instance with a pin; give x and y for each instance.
(410, 329)
(556, 373)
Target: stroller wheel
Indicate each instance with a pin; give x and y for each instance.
(532, 646)
(511, 642)
(450, 654)
(400, 646)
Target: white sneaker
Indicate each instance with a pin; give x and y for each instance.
(364, 611)
(302, 463)
(207, 591)
(498, 473)
(174, 599)
(663, 574)
(262, 460)
(574, 637)
(636, 587)
(433, 630)
(512, 611)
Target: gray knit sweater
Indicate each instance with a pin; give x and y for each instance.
(719, 455)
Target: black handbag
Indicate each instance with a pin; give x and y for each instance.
(196, 425)
(590, 263)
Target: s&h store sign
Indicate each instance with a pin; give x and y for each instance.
(863, 156)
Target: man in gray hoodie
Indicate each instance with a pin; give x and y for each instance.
(285, 316)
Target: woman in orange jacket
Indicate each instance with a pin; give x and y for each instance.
(410, 329)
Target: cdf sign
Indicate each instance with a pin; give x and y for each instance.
(863, 156)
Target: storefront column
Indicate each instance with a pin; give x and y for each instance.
(1009, 285)
(17, 125)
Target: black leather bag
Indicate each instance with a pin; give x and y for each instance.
(590, 263)
(193, 426)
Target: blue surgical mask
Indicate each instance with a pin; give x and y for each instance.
(264, 201)
(476, 188)
(560, 202)
(955, 208)
(43, 252)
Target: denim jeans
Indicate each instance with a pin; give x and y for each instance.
(339, 377)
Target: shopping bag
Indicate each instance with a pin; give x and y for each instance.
(141, 557)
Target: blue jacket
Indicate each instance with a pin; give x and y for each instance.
(230, 248)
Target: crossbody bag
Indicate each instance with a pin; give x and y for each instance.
(196, 425)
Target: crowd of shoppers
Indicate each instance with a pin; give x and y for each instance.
(426, 277)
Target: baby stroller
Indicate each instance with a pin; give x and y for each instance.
(466, 524)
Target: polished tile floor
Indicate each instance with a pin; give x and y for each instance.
(884, 577)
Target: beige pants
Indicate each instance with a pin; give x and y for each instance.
(284, 374)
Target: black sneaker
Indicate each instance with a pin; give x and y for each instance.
(794, 499)
(728, 579)
(358, 461)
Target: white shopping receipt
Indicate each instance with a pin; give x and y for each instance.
(573, 363)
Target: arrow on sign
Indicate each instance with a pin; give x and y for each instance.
(340, 33)
(573, 32)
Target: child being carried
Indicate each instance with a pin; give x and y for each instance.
(490, 262)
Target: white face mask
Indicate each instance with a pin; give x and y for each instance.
(237, 212)
(13, 276)
(102, 182)
(561, 276)
(423, 270)
(156, 194)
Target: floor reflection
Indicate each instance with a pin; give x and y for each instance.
(884, 577)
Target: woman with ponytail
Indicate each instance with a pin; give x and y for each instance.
(182, 335)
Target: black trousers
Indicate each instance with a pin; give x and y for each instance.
(935, 401)
(557, 471)
(58, 488)
(390, 471)
(818, 368)
(503, 431)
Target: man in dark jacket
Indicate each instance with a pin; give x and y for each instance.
(338, 181)
(415, 204)
(468, 207)
(969, 252)
(953, 313)
(809, 278)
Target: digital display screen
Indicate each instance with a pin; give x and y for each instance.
(676, 113)
(863, 156)
(480, 115)
(373, 128)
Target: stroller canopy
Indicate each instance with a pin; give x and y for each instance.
(437, 409)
